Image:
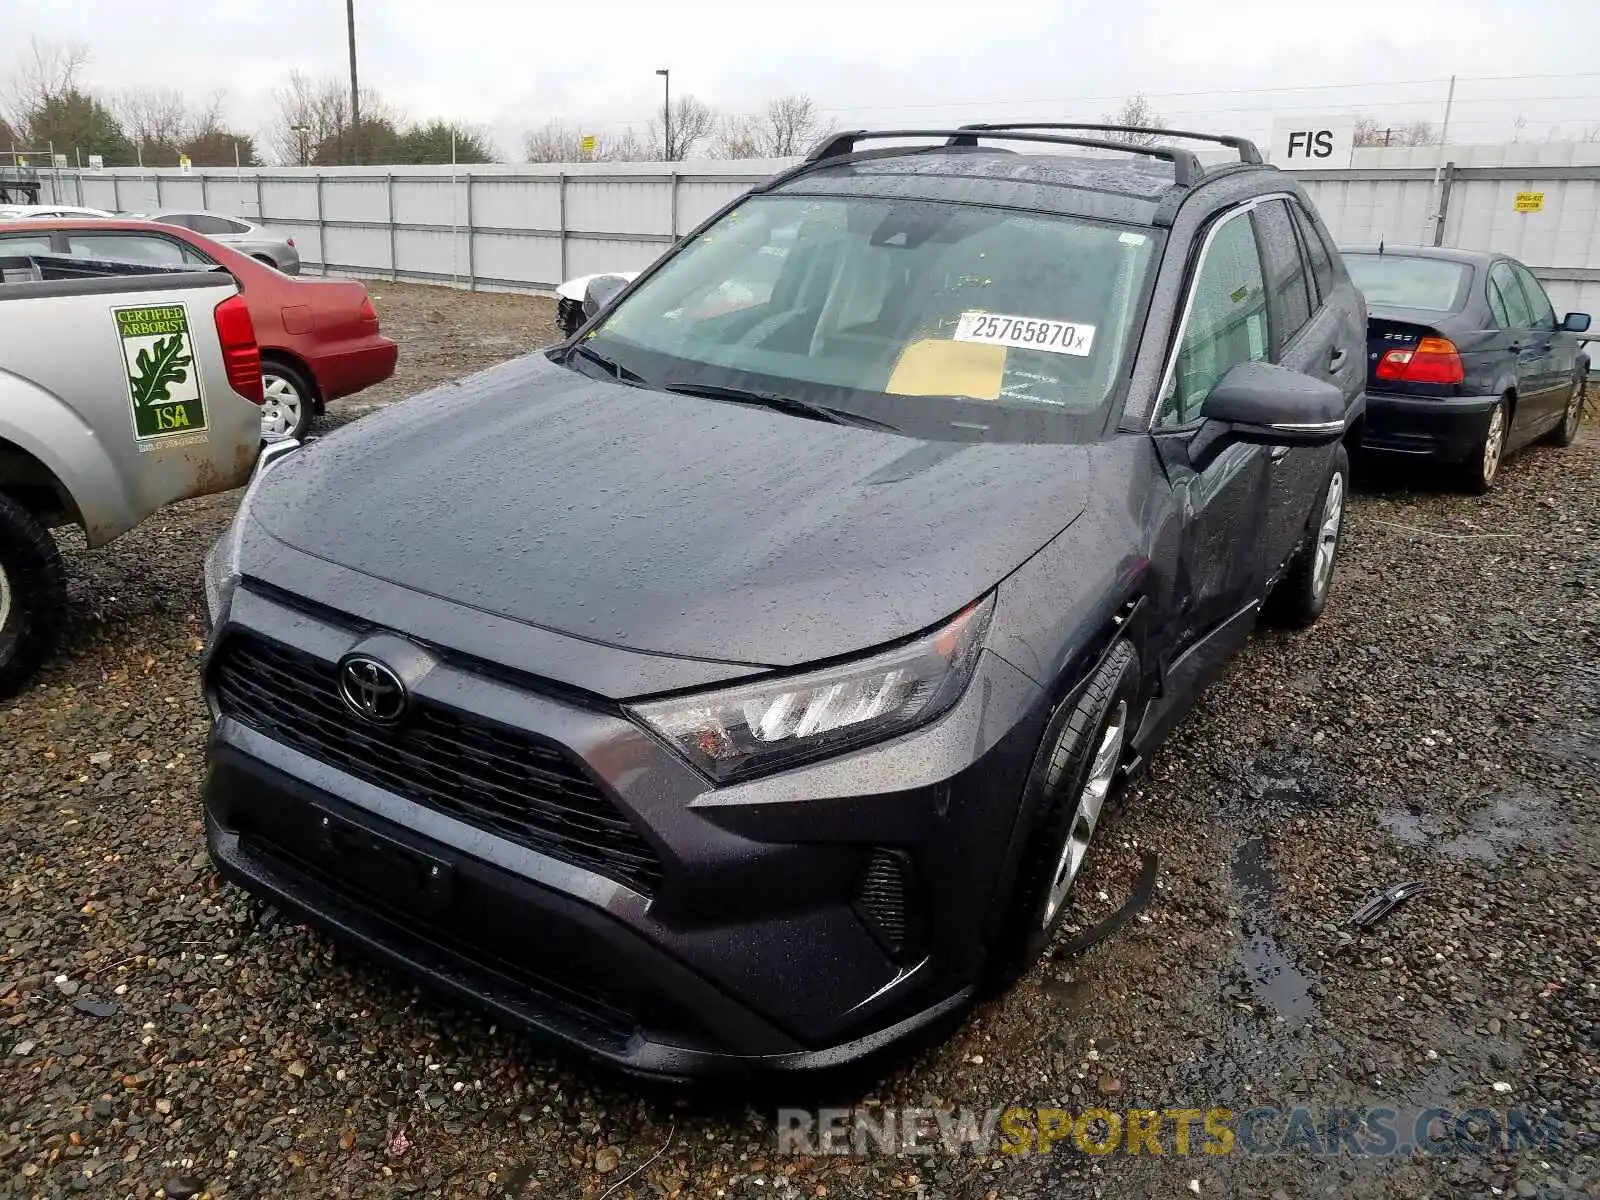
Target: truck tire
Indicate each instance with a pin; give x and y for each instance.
(33, 592)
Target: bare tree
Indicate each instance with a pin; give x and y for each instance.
(692, 123)
(558, 142)
(313, 120)
(45, 75)
(790, 125)
(1368, 132)
(1417, 133)
(1589, 134)
(1136, 110)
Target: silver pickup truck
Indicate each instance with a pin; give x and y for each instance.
(122, 389)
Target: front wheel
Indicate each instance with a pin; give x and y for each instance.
(33, 593)
(1302, 594)
(1566, 432)
(287, 402)
(1073, 773)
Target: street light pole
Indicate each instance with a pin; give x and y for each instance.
(300, 132)
(355, 91)
(666, 113)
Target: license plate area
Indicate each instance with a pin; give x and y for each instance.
(382, 867)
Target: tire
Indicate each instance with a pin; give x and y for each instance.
(33, 593)
(1482, 468)
(1302, 594)
(288, 401)
(1566, 432)
(262, 258)
(1074, 771)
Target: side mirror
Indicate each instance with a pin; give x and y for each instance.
(602, 290)
(1575, 323)
(1263, 402)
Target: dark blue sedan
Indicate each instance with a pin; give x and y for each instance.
(1466, 359)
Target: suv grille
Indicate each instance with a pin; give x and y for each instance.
(512, 783)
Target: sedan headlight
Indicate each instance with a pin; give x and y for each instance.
(762, 726)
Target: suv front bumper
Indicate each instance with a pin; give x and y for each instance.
(757, 947)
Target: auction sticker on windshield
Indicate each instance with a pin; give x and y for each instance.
(163, 382)
(1025, 333)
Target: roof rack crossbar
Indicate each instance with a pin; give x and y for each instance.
(1186, 167)
(1249, 152)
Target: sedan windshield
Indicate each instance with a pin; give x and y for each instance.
(1396, 281)
(896, 308)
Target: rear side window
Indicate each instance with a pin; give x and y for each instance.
(1287, 288)
(215, 226)
(127, 247)
(1431, 284)
(1544, 317)
(1503, 284)
(182, 220)
(1227, 322)
(1322, 269)
(24, 243)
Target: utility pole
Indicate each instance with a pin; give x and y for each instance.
(355, 90)
(1436, 217)
(666, 114)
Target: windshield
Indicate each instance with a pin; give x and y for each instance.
(904, 310)
(1433, 284)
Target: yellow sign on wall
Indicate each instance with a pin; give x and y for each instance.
(588, 144)
(1530, 202)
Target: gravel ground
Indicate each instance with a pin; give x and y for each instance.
(1441, 722)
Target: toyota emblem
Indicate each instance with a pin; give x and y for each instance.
(371, 690)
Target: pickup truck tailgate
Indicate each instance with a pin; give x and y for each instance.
(118, 384)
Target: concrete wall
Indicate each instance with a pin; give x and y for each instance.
(528, 227)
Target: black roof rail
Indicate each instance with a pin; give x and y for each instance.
(1186, 168)
(1249, 152)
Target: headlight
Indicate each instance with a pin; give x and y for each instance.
(761, 726)
(222, 562)
(222, 573)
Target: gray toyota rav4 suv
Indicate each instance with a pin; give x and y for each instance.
(739, 683)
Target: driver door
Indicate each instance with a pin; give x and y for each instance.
(1221, 496)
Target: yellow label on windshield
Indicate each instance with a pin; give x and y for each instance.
(935, 367)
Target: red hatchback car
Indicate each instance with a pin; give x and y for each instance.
(319, 337)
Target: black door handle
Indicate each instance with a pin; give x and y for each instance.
(1336, 359)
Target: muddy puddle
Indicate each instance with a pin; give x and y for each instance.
(1487, 833)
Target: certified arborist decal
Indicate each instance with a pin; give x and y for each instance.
(163, 381)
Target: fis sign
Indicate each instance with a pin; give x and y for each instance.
(1307, 144)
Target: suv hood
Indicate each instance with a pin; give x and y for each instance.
(667, 523)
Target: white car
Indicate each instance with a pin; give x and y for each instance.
(569, 299)
(20, 212)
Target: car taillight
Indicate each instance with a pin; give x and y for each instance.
(368, 313)
(1431, 360)
(240, 354)
(290, 241)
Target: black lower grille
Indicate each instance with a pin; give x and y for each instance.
(883, 900)
(507, 781)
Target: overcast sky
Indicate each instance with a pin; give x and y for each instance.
(510, 66)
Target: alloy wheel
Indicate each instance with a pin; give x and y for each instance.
(1493, 443)
(281, 407)
(1328, 534)
(1574, 409)
(1107, 757)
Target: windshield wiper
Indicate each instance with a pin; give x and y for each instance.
(792, 405)
(617, 371)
